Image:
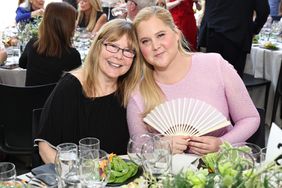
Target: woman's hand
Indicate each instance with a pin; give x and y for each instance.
(38, 12)
(204, 144)
(179, 144)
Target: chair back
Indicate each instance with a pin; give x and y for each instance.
(277, 96)
(36, 114)
(258, 137)
(16, 108)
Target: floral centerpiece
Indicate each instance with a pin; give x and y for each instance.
(229, 168)
(26, 31)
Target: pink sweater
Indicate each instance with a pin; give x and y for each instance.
(215, 81)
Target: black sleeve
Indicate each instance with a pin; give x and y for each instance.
(59, 117)
(23, 59)
(262, 12)
(75, 60)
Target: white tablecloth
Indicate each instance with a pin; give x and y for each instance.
(15, 77)
(264, 63)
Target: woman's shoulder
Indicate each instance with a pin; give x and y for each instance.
(209, 59)
(69, 82)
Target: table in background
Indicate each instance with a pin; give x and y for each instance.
(15, 77)
(264, 63)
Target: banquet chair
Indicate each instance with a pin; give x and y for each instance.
(17, 104)
(36, 114)
(277, 96)
(250, 82)
(258, 137)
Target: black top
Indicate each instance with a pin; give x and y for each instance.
(84, 24)
(234, 19)
(42, 69)
(69, 116)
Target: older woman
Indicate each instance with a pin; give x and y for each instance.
(91, 100)
(171, 72)
(29, 9)
(91, 15)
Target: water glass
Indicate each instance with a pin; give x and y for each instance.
(253, 149)
(45, 180)
(157, 156)
(94, 168)
(119, 10)
(66, 163)
(7, 174)
(90, 142)
(134, 146)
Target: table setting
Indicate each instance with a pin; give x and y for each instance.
(150, 163)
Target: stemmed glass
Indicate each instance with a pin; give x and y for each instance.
(7, 174)
(253, 149)
(157, 156)
(134, 146)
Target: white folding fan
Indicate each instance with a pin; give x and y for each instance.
(185, 116)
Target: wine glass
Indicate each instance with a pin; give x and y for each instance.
(134, 146)
(66, 163)
(157, 156)
(94, 168)
(7, 174)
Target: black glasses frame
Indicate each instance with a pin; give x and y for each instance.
(115, 49)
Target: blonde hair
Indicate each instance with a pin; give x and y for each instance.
(95, 7)
(110, 32)
(150, 91)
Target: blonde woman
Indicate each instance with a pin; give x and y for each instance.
(171, 72)
(91, 15)
(91, 100)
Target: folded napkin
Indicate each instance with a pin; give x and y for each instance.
(45, 169)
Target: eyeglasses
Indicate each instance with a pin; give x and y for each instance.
(115, 49)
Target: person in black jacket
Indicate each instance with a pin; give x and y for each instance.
(228, 27)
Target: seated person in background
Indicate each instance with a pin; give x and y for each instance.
(74, 3)
(91, 15)
(29, 9)
(172, 72)
(49, 55)
(90, 101)
(3, 55)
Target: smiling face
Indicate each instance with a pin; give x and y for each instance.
(113, 65)
(158, 42)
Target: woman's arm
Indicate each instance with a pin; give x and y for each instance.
(47, 153)
(173, 4)
(100, 22)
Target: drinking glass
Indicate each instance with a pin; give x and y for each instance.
(119, 10)
(253, 149)
(45, 180)
(66, 163)
(134, 146)
(90, 142)
(156, 156)
(7, 174)
(94, 168)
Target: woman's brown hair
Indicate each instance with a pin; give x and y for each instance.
(56, 29)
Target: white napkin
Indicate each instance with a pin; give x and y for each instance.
(274, 139)
(183, 162)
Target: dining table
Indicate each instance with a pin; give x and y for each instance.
(264, 63)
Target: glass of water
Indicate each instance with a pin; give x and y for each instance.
(66, 163)
(157, 156)
(7, 174)
(94, 168)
